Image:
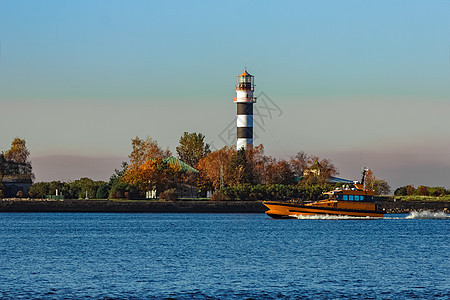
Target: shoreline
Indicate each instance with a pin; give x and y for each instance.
(388, 204)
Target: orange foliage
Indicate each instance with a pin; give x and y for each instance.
(214, 166)
(152, 173)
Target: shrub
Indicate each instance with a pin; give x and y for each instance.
(170, 194)
(219, 196)
(401, 191)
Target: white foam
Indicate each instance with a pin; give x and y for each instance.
(427, 215)
(331, 217)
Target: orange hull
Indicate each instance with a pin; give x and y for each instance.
(278, 210)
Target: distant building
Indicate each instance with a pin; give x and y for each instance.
(315, 170)
(14, 184)
(184, 190)
(15, 178)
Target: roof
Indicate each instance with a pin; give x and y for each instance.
(184, 167)
(339, 180)
(331, 180)
(245, 74)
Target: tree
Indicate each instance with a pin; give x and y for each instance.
(153, 173)
(214, 167)
(410, 190)
(146, 149)
(118, 174)
(422, 190)
(18, 152)
(381, 187)
(279, 172)
(102, 191)
(369, 180)
(15, 160)
(318, 172)
(299, 163)
(240, 170)
(192, 148)
(401, 191)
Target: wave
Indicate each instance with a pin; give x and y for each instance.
(427, 215)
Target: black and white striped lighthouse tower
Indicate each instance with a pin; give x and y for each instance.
(244, 100)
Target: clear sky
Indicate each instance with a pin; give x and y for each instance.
(364, 83)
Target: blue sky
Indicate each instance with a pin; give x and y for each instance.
(362, 83)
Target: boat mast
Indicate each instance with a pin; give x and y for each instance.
(365, 170)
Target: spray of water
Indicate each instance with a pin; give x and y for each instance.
(413, 215)
(427, 215)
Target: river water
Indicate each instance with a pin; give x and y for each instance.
(227, 256)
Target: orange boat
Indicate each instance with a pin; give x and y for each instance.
(354, 201)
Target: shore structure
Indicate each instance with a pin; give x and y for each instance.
(244, 99)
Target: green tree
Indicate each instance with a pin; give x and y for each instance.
(192, 148)
(118, 173)
(401, 191)
(239, 170)
(381, 187)
(102, 191)
(39, 190)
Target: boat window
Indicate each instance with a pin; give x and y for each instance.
(350, 197)
(362, 198)
(356, 198)
(338, 197)
(345, 197)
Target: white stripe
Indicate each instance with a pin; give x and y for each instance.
(244, 121)
(243, 143)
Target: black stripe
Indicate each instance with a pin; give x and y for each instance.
(245, 132)
(245, 108)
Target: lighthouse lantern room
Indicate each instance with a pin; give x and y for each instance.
(244, 99)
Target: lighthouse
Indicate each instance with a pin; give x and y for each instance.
(244, 100)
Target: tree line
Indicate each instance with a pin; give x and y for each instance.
(421, 190)
(229, 173)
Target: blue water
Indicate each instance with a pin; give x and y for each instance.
(186, 256)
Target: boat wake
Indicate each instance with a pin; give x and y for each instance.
(332, 217)
(427, 215)
(412, 215)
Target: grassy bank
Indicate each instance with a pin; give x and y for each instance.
(445, 198)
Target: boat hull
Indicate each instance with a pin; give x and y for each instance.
(283, 210)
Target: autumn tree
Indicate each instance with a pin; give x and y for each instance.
(15, 160)
(149, 168)
(369, 180)
(18, 152)
(143, 150)
(257, 162)
(299, 163)
(214, 167)
(380, 186)
(279, 172)
(192, 148)
(153, 173)
(318, 172)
